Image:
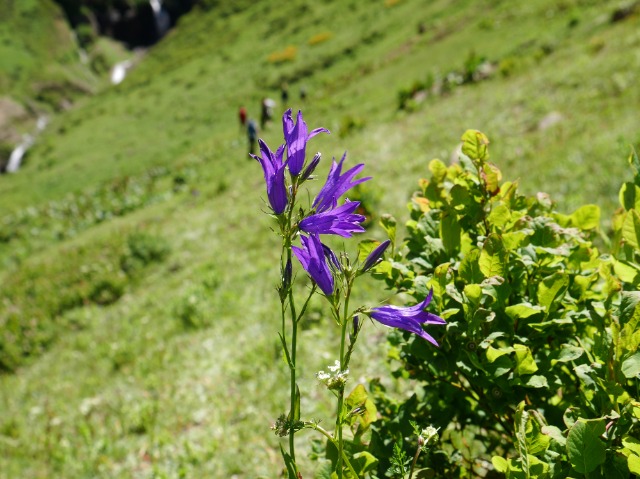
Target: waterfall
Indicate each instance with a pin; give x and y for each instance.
(27, 141)
(161, 18)
(119, 71)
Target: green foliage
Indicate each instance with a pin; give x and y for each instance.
(142, 250)
(541, 341)
(35, 303)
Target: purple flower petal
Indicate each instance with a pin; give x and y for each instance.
(273, 168)
(337, 221)
(296, 136)
(313, 260)
(337, 184)
(408, 318)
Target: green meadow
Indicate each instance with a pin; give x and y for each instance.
(138, 311)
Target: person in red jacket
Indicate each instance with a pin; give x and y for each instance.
(242, 116)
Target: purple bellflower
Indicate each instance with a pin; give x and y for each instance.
(312, 256)
(296, 137)
(273, 168)
(337, 184)
(338, 221)
(410, 319)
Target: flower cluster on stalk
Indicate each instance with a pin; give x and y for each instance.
(328, 217)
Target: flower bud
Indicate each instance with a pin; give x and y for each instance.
(286, 276)
(331, 256)
(308, 171)
(354, 333)
(375, 256)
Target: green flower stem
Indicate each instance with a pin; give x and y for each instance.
(343, 367)
(292, 368)
(326, 433)
(288, 237)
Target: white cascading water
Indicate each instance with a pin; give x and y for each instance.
(27, 141)
(119, 71)
(161, 17)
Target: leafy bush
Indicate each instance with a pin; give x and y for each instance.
(541, 344)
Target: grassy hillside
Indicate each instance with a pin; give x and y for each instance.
(138, 336)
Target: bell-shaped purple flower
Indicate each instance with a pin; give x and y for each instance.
(313, 260)
(337, 184)
(296, 136)
(274, 168)
(375, 256)
(410, 319)
(337, 221)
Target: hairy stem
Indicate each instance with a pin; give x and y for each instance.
(343, 367)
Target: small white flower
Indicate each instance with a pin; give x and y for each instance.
(335, 367)
(335, 379)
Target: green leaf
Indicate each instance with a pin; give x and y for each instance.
(296, 410)
(500, 464)
(633, 462)
(473, 292)
(364, 462)
(626, 271)
(629, 196)
(551, 289)
(632, 444)
(585, 448)
(631, 229)
(522, 310)
(450, 231)
(493, 354)
(365, 247)
(492, 177)
(555, 433)
(537, 381)
(569, 353)
(438, 169)
(514, 239)
(388, 224)
(470, 269)
(586, 217)
(631, 366)
(290, 465)
(634, 162)
(475, 145)
(500, 215)
(629, 307)
(537, 441)
(362, 409)
(493, 257)
(524, 360)
(521, 418)
(459, 196)
(499, 367)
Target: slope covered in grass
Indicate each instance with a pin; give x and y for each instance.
(127, 363)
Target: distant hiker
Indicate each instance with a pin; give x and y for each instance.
(242, 116)
(284, 94)
(266, 111)
(252, 135)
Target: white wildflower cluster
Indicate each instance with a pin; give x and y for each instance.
(335, 378)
